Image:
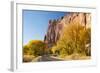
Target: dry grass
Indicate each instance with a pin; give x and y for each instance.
(28, 58)
(77, 57)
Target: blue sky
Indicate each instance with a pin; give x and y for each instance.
(35, 23)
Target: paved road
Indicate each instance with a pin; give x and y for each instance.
(46, 58)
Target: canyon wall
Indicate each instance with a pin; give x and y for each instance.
(55, 26)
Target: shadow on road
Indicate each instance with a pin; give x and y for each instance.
(46, 58)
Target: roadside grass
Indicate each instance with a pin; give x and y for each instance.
(76, 57)
(28, 58)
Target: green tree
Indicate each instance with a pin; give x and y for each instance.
(37, 47)
(25, 50)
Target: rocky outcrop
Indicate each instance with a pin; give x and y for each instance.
(55, 26)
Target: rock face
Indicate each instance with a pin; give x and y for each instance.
(55, 26)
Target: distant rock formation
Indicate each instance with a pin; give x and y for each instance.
(55, 26)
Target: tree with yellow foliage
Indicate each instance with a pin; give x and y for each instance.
(73, 39)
